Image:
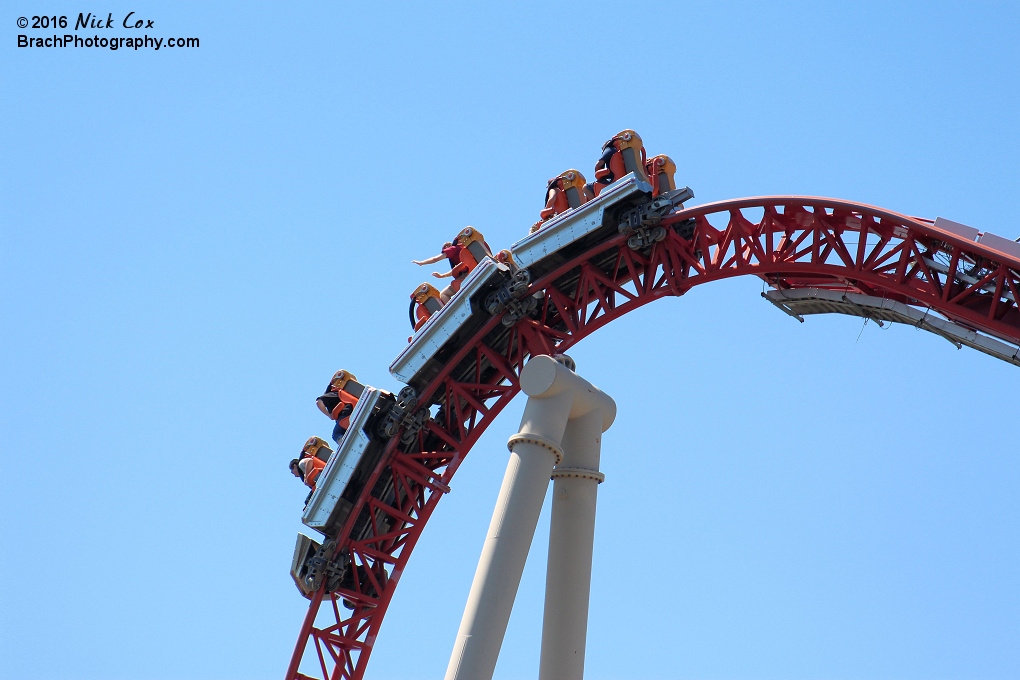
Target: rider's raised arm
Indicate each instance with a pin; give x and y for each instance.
(430, 260)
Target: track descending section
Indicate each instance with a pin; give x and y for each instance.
(849, 252)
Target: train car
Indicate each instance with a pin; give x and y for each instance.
(578, 225)
(556, 242)
(445, 330)
(376, 417)
(341, 481)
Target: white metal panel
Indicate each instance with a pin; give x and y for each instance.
(1003, 245)
(334, 477)
(575, 223)
(961, 230)
(443, 324)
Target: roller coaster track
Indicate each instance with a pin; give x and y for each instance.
(844, 254)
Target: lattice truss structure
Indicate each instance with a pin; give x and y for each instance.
(790, 242)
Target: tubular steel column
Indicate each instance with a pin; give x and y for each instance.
(555, 394)
(571, 540)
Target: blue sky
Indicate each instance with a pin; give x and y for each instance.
(194, 240)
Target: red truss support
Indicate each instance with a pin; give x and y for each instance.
(791, 242)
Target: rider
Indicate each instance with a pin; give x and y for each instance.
(311, 462)
(338, 403)
(622, 154)
(461, 260)
(563, 192)
(458, 269)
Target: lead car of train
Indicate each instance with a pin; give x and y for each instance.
(492, 288)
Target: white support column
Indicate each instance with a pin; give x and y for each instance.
(555, 394)
(571, 541)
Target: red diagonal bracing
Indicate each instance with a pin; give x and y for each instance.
(796, 242)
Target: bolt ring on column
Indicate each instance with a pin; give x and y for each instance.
(542, 442)
(578, 473)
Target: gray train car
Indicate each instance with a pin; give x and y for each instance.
(341, 481)
(559, 239)
(448, 328)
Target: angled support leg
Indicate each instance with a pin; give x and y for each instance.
(555, 395)
(571, 541)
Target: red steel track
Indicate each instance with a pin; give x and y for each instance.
(789, 241)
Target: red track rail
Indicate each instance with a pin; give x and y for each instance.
(789, 241)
